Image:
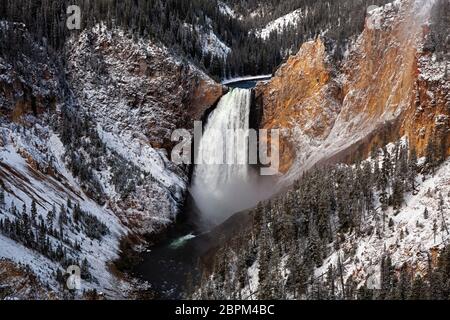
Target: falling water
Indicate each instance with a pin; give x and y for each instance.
(222, 182)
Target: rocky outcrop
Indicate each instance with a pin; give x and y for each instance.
(31, 85)
(428, 116)
(388, 86)
(137, 93)
(137, 85)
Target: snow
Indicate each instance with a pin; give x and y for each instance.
(253, 281)
(278, 25)
(144, 156)
(133, 112)
(27, 184)
(410, 240)
(349, 126)
(418, 237)
(209, 41)
(433, 70)
(226, 10)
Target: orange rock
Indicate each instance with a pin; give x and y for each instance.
(301, 95)
(379, 95)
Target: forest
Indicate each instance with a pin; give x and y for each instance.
(164, 21)
(293, 234)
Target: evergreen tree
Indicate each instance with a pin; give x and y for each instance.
(386, 276)
(412, 171)
(419, 289)
(63, 218)
(441, 210)
(85, 274)
(425, 213)
(430, 156)
(33, 211)
(2, 198)
(50, 217)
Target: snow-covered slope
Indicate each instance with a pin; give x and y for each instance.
(412, 239)
(208, 41)
(18, 283)
(392, 86)
(272, 258)
(226, 10)
(136, 95)
(280, 24)
(32, 168)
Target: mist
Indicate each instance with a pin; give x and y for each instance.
(237, 194)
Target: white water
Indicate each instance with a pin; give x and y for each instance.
(222, 189)
(179, 242)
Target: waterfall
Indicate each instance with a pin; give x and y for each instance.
(222, 180)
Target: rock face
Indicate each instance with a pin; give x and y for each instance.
(302, 97)
(22, 92)
(137, 93)
(388, 86)
(137, 85)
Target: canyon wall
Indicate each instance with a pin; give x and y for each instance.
(389, 85)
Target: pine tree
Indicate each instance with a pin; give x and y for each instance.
(441, 211)
(330, 280)
(85, 274)
(50, 217)
(386, 276)
(33, 212)
(76, 213)
(418, 290)
(391, 223)
(435, 229)
(430, 155)
(404, 284)
(264, 268)
(397, 192)
(2, 198)
(62, 216)
(383, 181)
(425, 213)
(412, 171)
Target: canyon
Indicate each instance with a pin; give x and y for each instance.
(87, 142)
